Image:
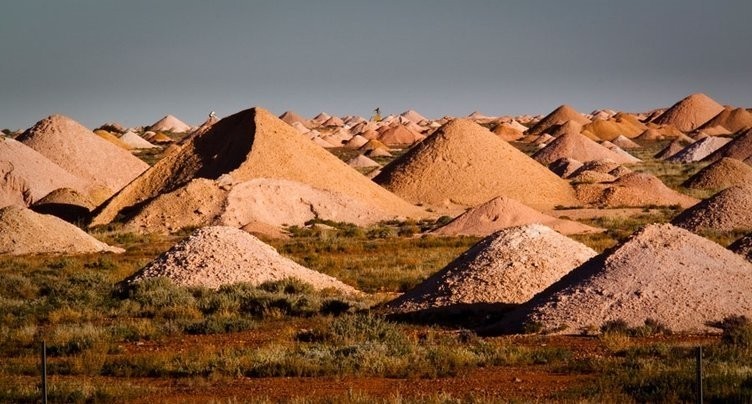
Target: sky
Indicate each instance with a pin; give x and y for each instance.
(135, 61)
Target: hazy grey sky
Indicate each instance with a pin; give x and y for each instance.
(135, 61)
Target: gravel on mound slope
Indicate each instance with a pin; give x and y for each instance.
(661, 272)
(23, 231)
(462, 163)
(722, 174)
(507, 267)
(730, 209)
(578, 147)
(41, 175)
(698, 150)
(559, 116)
(84, 154)
(743, 247)
(690, 112)
(501, 213)
(739, 148)
(216, 256)
(632, 189)
(254, 144)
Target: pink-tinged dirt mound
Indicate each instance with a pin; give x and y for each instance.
(507, 267)
(102, 165)
(501, 213)
(14, 190)
(252, 144)
(675, 146)
(559, 116)
(399, 135)
(65, 203)
(215, 256)
(632, 190)
(23, 231)
(698, 150)
(730, 209)
(625, 143)
(731, 119)
(170, 124)
(464, 164)
(690, 113)
(720, 175)
(290, 117)
(39, 173)
(661, 272)
(739, 148)
(578, 147)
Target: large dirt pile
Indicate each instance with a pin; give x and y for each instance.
(559, 116)
(722, 174)
(253, 144)
(399, 136)
(739, 148)
(661, 272)
(730, 209)
(170, 124)
(507, 267)
(632, 190)
(41, 175)
(104, 166)
(216, 256)
(501, 213)
(23, 231)
(464, 164)
(621, 124)
(698, 150)
(578, 147)
(65, 203)
(731, 119)
(690, 113)
(743, 247)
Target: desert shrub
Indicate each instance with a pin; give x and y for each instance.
(737, 331)
(72, 338)
(289, 286)
(160, 297)
(220, 325)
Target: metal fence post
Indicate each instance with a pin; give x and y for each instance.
(44, 372)
(698, 381)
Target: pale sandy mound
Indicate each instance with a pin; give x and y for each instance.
(254, 144)
(578, 147)
(564, 167)
(170, 124)
(675, 146)
(508, 132)
(698, 150)
(625, 143)
(464, 164)
(690, 113)
(730, 209)
(731, 119)
(23, 231)
(739, 148)
(722, 174)
(632, 190)
(356, 142)
(413, 116)
(661, 272)
(291, 117)
(743, 247)
(82, 153)
(65, 203)
(501, 213)
(41, 175)
(507, 267)
(558, 116)
(361, 161)
(399, 135)
(14, 190)
(135, 141)
(216, 256)
(618, 150)
(112, 139)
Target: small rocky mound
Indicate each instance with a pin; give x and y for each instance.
(399, 136)
(508, 132)
(625, 143)
(170, 124)
(698, 150)
(622, 124)
(23, 231)
(675, 146)
(65, 203)
(361, 161)
(720, 175)
(590, 177)
(739, 148)
(690, 113)
(504, 268)
(661, 272)
(731, 119)
(501, 213)
(216, 256)
(559, 116)
(632, 190)
(618, 150)
(603, 166)
(565, 166)
(578, 147)
(291, 117)
(135, 141)
(743, 247)
(730, 209)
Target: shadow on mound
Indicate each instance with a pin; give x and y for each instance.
(456, 316)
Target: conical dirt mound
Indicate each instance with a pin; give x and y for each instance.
(253, 144)
(290, 117)
(661, 272)
(732, 119)
(730, 209)
(501, 213)
(216, 256)
(464, 164)
(79, 151)
(690, 113)
(170, 124)
(560, 115)
(632, 190)
(23, 231)
(671, 149)
(399, 135)
(720, 175)
(739, 148)
(507, 267)
(66, 204)
(699, 150)
(578, 147)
